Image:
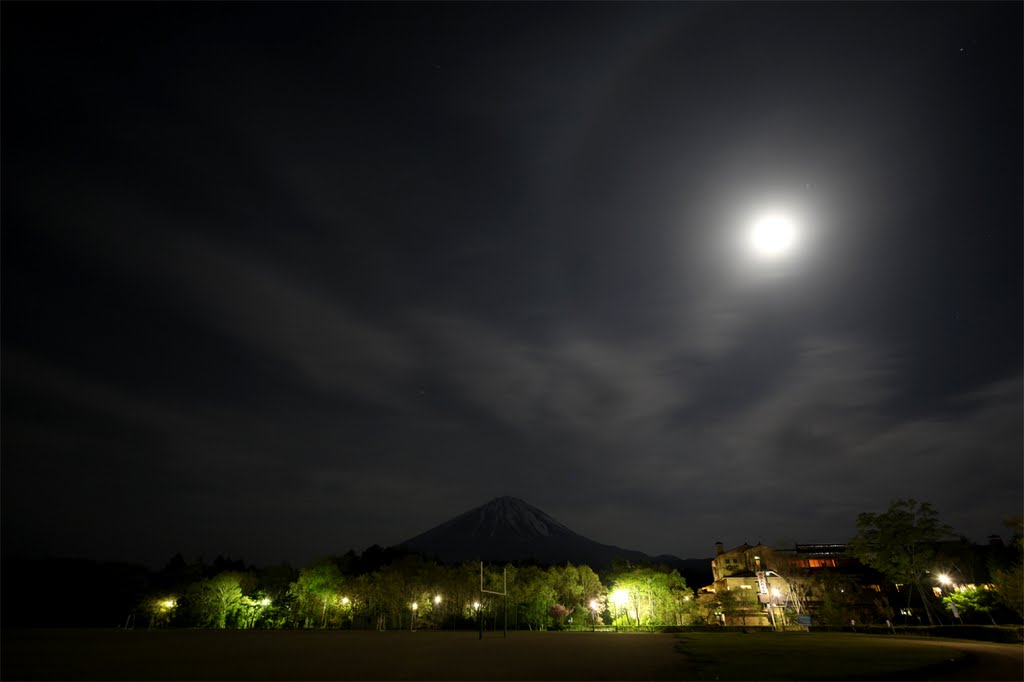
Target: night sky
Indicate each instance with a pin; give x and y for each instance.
(283, 280)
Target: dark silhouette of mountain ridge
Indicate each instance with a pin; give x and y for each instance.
(509, 529)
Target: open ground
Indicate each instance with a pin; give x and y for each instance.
(428, 655)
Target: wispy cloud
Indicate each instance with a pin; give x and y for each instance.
(568, 381)
(324, 341)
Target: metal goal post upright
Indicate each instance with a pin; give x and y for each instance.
(503, 593)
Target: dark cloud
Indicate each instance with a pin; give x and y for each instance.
(283, 281)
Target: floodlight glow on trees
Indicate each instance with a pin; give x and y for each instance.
(593, 605)
(620, 597)
(265, 602)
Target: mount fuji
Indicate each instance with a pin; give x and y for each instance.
(509, 529)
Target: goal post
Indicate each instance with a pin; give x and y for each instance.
(503, 594)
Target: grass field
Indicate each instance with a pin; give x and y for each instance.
(803, 656)
(424, 655)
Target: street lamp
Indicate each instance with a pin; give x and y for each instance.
(948, 586)
(412, 624)
(776, 593)
(593, 614)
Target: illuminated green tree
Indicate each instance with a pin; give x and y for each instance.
(565, 581)
(317, 594)
(970, 600)
(592, 589)
(461, 588)
(532, 595)
(900, 543)
(654, 596)
(400, 584)
(216, 602)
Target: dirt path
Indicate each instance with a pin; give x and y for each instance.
(985, 661)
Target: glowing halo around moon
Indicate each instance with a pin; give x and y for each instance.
(773, 236)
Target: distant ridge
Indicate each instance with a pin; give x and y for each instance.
(510, 529)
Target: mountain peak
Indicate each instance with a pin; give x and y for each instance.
(512, 516)
(508, 528)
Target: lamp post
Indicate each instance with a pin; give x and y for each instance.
(776, 593)
(412, 624)
(948, 587)
(593, 615)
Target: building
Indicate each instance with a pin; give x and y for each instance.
(758, 585)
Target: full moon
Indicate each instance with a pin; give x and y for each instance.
(773, 236)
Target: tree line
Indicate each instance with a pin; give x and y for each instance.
(391, 588)
(414, 592)
(920, 556)
(377, 589)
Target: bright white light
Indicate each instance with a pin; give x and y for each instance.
(476, 605)
(593, 605)
(415, 606)
(437, 599)
(344, 600)
(620, 597)
(264, 602)
(776, 592)
(773, 235)
(944, 579)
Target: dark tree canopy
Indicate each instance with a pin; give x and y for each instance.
(899, 542)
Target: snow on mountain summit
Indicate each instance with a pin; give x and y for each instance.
(515, 515)
(509, 529)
